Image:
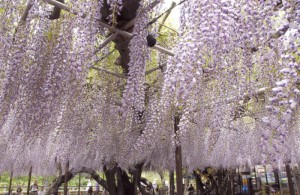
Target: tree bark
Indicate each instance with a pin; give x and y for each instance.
(29, 180)
(199, 184)
(179, 170)
(10, 181)
(172, 186)
(127, 13)
(232, 182)
(142, 189)
(178, 160)
(120, 188)
(65, 179)
(290, 179)
(111, 181)
(297, 178)
(60, 179)
(137, 177)
(55, 14)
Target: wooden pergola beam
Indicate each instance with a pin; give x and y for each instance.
(128, 25)
(156, 68)
(166, 16)
(110, 72)
(26, 11)
(116, 32)
(168, 28)
(64, 7)
(246, 98)
(105, 42)
(60, 6)
(129, 35)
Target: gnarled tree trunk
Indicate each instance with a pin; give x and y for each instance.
(70, 175)
(117, 180)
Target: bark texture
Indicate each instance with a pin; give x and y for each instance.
(127, 13)
(70, 175)
(118, 182)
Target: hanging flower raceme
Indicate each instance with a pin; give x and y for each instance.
(225, 59)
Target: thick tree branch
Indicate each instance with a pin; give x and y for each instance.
(110, 178)
(93, 174)
(110, 72)
(70, 175)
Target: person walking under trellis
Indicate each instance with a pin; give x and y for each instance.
(191, 189)
(34, 188)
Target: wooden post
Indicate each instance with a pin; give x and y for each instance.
(172, 186)
(10, 181)
(178, 158)
(267, 183)
(29, 180)
(296, 178)
(280, 185)
(255, 178)
(66, 179)
(240, 180)
(232, 181)
(79, 184)
(179, 170)
(290, 179)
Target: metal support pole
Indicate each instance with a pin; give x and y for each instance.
(166, 16)
(10, 181)
(79, 184)
(240, 180)
(295, 173)
(290, 179)
(172, 187)
(255, 178)
(232, 182)
(178, 162)
(280, 185)
(29, 180)
(267, 183)
(66, 179)
(179, 170)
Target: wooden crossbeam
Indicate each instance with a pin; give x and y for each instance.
(169, 28)
(166, 16)
(128, 25)
(156, 68)
(110, 72)
(116, 32)
(26, 11)
(105, 42)
(23, 17)
(121, 32)
(246, 98)
(60, 6)
(129, 35)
